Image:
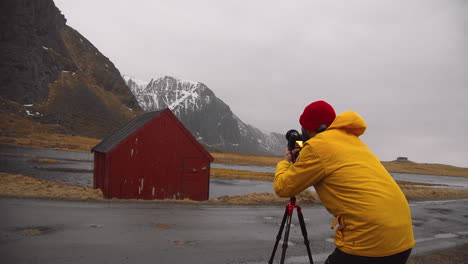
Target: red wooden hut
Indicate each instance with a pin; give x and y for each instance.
(153, 157)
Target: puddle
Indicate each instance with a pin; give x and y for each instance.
(34, 231)
(441, 236)
(177, 242)
(448, 235)
(162, 226)
(443, 211)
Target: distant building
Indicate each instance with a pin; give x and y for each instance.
(153, 157)
(402, 159)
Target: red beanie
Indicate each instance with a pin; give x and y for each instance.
(316, 114)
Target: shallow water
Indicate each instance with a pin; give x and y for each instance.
(47, 153)
(460, 183)
(243, 167)
(14, 163)
(220, 187)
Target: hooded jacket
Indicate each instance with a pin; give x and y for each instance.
(372, 212)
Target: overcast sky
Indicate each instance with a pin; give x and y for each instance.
(402, 65)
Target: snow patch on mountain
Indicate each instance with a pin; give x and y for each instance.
(168, 92)
(242, 126)
(207, 117)
(136, 86)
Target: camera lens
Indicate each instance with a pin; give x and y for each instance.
(292, 134)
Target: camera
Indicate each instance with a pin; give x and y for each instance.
(294, 139)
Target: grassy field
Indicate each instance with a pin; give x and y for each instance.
(17, 185)
(240, 175)
(24, 132)
(84, 144)
(412, 190)
(245, 159)
(391, 166)
(425, 168)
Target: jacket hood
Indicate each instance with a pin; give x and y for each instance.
(350, 121)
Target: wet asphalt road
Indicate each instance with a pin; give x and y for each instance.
(147, 232)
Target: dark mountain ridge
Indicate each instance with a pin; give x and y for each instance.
(51, 74)
(57, 75)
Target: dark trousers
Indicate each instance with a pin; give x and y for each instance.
(340, 257)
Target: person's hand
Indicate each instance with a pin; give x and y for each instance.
(288, 155)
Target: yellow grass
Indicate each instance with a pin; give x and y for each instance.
(425, 193)
(240, 175)
(46, 161)
(245, 159)
(16, 131)
(55, 141)
(31, 232)
(23, 186)
(424, 168)
(305, 197)
(412, 190)
(391, 166)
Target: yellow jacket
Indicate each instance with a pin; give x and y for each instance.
(372, 212)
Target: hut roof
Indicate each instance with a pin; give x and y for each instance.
(112, 141)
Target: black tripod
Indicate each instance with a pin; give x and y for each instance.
(287, 218)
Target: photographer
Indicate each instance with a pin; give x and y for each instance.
(373, 216)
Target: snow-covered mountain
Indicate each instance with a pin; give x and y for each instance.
(135, 85)
(209, 119)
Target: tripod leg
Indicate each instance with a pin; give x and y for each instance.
(278, 237)
(286, 233)
(304, 233)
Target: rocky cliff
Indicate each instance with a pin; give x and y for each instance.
(56, 74)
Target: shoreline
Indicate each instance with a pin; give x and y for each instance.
(412, 190)
(17, 185)
(407, 167)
